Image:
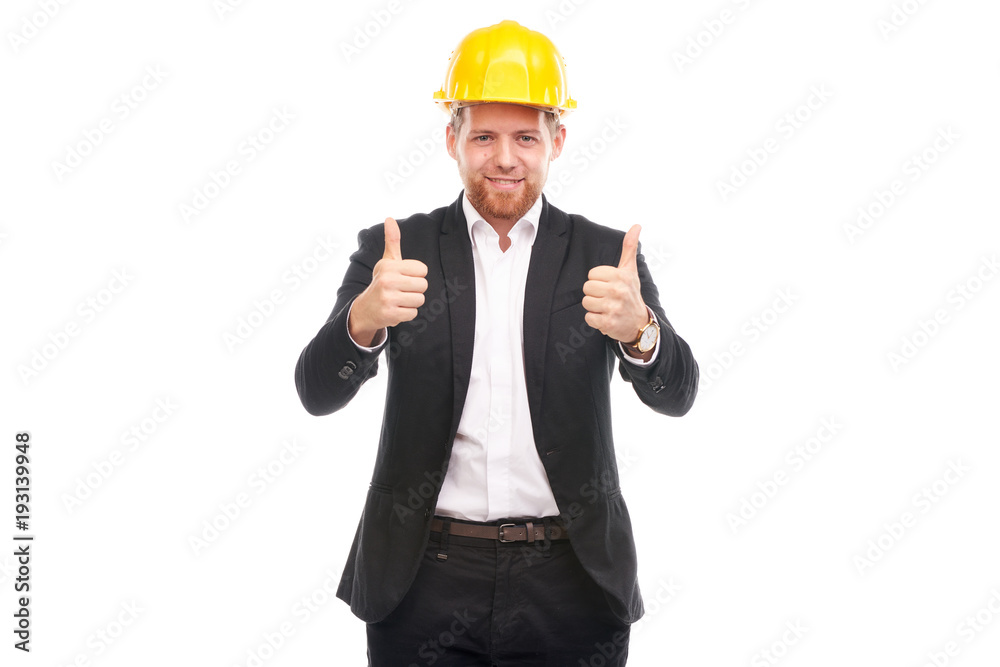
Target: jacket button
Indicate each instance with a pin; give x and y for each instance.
(347, 371)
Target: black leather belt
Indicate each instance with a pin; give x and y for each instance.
(528, 531)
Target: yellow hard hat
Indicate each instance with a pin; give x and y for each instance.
(506, 62)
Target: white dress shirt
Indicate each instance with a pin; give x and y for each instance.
(495, 471)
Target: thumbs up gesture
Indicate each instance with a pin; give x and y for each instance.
(394, 294)
(612, 295)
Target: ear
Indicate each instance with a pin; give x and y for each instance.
(558, 142)
(450, 140)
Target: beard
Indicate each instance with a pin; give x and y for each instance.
(503, 205)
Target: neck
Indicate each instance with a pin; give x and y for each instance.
(502, 227)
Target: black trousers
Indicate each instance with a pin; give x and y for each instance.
(495, 604)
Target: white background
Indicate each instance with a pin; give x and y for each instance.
(672, 132)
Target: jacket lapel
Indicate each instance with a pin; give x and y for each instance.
(458, 267)
(547, 257)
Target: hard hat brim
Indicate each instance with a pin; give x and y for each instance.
(451, 106)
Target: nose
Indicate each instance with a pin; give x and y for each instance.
(505, 153)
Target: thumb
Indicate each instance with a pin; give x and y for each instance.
(630, 247)
(392, 250)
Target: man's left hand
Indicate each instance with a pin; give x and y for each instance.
(612, 295)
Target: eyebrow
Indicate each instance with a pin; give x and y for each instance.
(531, 131)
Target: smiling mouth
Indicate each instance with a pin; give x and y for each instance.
(505, 181)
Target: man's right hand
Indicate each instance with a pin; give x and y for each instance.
(396, 291)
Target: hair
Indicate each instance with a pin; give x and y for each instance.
(457, 118)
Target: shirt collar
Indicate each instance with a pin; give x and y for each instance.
(531, 217)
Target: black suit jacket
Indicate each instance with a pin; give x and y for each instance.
(568, 369)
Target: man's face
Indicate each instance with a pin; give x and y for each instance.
(503, 153)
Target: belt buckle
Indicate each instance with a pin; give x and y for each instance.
(502, 526)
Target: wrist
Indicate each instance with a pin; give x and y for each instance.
(636, 354)
(643, 319)
(361, 332)
(646, 339)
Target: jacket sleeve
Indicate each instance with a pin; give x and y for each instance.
(331, 368)
(669, 384)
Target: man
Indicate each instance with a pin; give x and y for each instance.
(494, 531)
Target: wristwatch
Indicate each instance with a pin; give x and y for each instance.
(648, 335)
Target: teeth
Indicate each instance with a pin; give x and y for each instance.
(503, 181)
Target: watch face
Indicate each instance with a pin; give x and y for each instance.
(648, 339)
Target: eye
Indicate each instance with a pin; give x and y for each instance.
(481, 139)
(527, 139)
